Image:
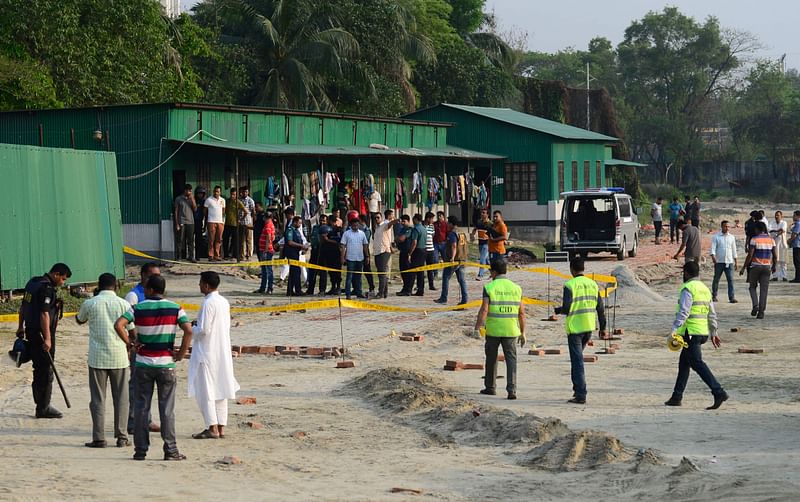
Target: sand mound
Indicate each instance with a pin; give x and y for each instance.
(633, 289)
(577, 451)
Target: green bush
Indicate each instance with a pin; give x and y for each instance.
(780, 194)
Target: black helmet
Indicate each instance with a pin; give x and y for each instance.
(19, 352)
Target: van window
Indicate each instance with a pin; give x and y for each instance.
(624, 207)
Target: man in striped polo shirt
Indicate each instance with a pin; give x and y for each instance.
(157, 320)
(760, 265)
(430, 248)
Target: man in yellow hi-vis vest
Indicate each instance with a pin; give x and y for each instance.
(583, 306)
(503, 315)
(695, 321)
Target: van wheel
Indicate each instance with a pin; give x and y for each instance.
(621, 252)
(632, 252)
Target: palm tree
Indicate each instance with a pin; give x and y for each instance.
(300, 45)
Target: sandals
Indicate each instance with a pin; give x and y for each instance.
(206, 434)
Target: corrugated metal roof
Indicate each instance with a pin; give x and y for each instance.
(534, 123)
(620, 162)
(272, 150)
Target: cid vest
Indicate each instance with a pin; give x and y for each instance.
(582, 316)
(504, 301)
(697, 323)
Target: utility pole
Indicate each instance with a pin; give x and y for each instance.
(588, 103)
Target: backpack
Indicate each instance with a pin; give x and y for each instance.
(461, 247)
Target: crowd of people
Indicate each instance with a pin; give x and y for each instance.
(766, 247)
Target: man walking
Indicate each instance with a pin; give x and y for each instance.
(690, 242)
(157, 320)
(695, 321)
(657, 216)
(723, 254)
(382, 249)
(355, 251)
(794, 243)
(211, 379)
(498, 236)
(455, 251)
(503, 316)
(185, 206)
(760, 265)
(215, 223)
(583, 306)
(38, 319)
(675, 212)
(108, 360)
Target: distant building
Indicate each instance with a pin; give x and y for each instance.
(172, 8)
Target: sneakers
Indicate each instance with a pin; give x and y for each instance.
(174, 456)
(122, 442)
(718, 400)
(489, 392)
(49, 412)
(673, 401)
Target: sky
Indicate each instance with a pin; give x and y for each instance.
(555, 25)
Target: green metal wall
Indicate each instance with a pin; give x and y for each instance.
(579, 152)
(519, 145)
(133, 132)
(64, 207)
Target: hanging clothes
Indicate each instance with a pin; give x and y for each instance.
(285, 192)
(399, 193)
(270, 190)
(305, 182)
(416, 184)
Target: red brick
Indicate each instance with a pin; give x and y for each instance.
(501, 357)
(553, 352)
(619, 331)
(280, 348)
(299, 434)
(266, 349)
(346, 364)
(536, 352)
(419, 338)
(590, 359)
(315, 351)
(452, 368)
(453, 363)
(409, 333)
(255, 425)
(397, 489)
(615, 346)
(473, 366)
(246, 400)
(230, 460)
(745, 350)
(405, 338)
(591, 343)
(290, 353)
(249, 349)
(327, 354)
(236, 348)
(607, 350)
(552, 318)
(234, 353)
(336, 352)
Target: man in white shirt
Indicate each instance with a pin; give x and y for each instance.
(658, 220)
(215, 223)
(374, 203)
(355, 251)
(382, 248)
(723, 254)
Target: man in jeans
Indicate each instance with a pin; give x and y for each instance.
(108, 359)
(420, 242)
(689, 242)
(723, 254)
(355, 252)
(675, 212)
(502, 313)
(382, 249)
(266, 251)
(185, 206)
(405, 244)
(157, 320)
(482, 229)
(454, 252)
(794, 243)
(430, 248)
(760, 265)
(583, 306)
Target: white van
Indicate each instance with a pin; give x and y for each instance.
(600, 220)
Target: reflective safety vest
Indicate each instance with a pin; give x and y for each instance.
(504, 301)
(582, 315)
(697, 323)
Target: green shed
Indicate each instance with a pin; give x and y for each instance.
(542, 159)
(62, 206)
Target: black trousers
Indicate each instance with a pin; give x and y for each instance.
(796, 260)
(229, 238)
(42, 385)
(295, 286)
(430, 259)
(331, 257)
(370, 278)
(418, 260)
(405, 264)
(313, 273)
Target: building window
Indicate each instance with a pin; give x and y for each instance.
(560, 176)
(574, 174)
(587, 166)
(520, 181)
(204, 176)
(597, 179)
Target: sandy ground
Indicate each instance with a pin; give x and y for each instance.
(399, 420)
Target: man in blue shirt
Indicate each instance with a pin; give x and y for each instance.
(675, 211)
(355, 251)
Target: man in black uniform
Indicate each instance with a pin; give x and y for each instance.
(38, 318)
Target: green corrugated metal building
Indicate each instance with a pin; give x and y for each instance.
(62, 205)
(542, 159)
(233, 146)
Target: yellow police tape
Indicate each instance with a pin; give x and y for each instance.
(330, 304)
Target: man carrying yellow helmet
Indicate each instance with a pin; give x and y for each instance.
(695, 321)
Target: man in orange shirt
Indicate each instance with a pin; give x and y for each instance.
(497, 236)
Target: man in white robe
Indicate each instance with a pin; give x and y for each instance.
(211, 379)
